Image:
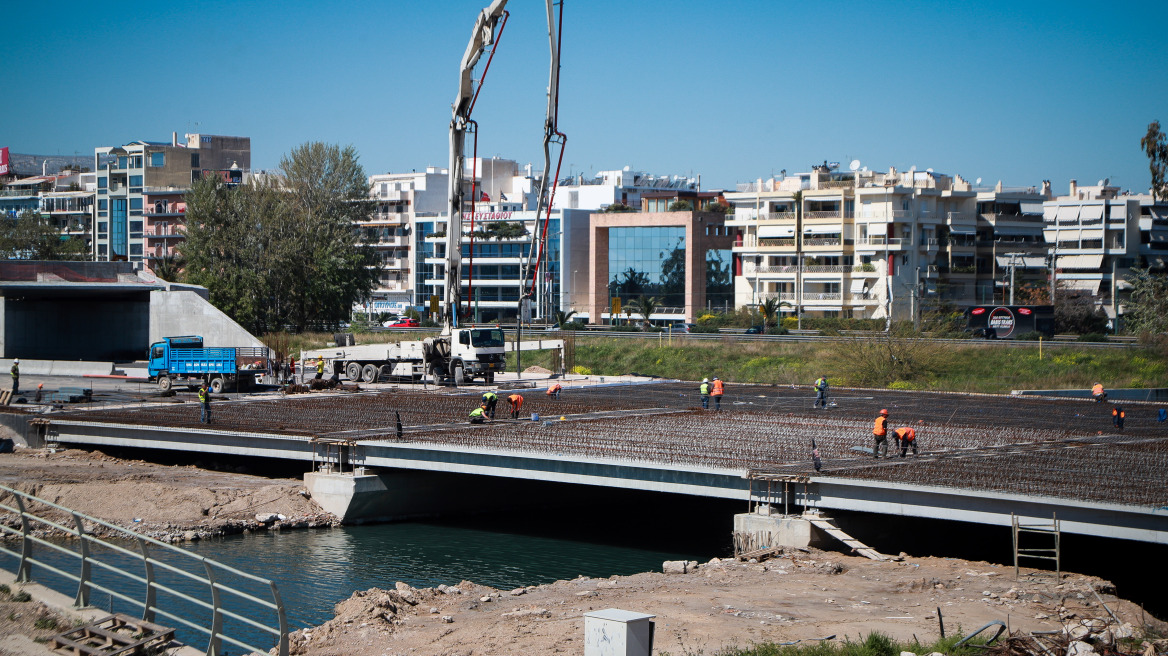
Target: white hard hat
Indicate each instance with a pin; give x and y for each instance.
(705, 380)
(16, 361)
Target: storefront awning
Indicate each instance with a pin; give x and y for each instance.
(822, 230)
(1029, 207)
(1118, 212)
(1068, 214)
(1036, 231)
(858, 286)
(962, 230)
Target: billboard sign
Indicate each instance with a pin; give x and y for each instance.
(4, 160)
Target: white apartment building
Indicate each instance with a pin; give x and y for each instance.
(1096, 234)
(873, 245)
(623, 186)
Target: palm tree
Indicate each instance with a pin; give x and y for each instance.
(770, 311)
(168, 267)
(563, 318)
(645, 306)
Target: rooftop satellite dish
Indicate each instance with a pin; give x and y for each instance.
(929, 170)
(855, 165)
(978, 181)
(627, 167)
(1100, 184)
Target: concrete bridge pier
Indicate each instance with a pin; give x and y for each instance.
(765, 527)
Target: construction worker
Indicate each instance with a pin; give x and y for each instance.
(704, 389)
(1097, 392)
(15, 371)
(906, 436)
(717, 393)
(319, 367)
(880, 432)
(1117, 415)
(554, 391)
(205, 402)
(478, 415)
(821, 392)
(490, 400)
(516, 403)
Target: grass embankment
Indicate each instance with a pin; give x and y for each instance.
(869, 362)
(875, 644)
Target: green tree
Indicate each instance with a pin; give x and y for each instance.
(168, 267)
(563, 318)
(770, 311)
(646, 306)
(680, 206)
(1155, 145)
(1147, 309)
(31, 236)
(286, 253)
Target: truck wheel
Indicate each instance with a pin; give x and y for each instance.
(458, 375)
(164, 382)
(353, 371)
(369, 373)
(216, 386)
(431, 374)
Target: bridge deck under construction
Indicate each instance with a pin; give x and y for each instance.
(1057, 448)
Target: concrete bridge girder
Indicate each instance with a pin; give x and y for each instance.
(1129, 522)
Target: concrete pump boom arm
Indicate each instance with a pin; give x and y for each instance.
(481, 38)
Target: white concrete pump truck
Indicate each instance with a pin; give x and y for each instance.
(459, 354)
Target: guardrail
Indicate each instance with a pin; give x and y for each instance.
(811, 336)
(250, 605)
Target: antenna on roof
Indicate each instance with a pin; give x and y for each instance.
(855, 165)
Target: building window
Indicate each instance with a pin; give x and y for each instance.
(194, 160)
(135, 181)
(103, 182)
(136, 249)
(101, 251)
(648, 261)
(102, 204)
(136, 162)
(135, 203)
(157, 159)
(122, 161)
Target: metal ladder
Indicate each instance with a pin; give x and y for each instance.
(1051, 529)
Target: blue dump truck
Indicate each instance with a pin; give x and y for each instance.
(184, 361)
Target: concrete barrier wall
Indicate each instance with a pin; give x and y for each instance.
(54, 368)
(187, 313)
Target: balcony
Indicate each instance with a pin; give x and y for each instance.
(775, 242)
(880, 242)
(822, 241)
(163, 233)
(826, 268)
(828, 214)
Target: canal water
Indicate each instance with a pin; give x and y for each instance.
(316, 568)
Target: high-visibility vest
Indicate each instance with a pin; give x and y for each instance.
(489, 396)
(515, 399)
(717, 388)
(907, 434)
(821, 384)
(202, 395)
(1097, 390)
(705, 389)
(1117, 412)
(320, 366)
(477, 412)
(878, 428)
(554, 388)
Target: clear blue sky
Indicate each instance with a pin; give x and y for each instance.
(731, 90)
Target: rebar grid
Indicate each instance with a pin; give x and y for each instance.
(985, 442)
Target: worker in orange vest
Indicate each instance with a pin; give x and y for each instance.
(1097, 393)
(554, 391)
(1117, 416)
(716, 393)
(516, 402)
(907, 436)
(880, 432)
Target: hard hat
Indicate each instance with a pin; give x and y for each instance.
(884, 411)
(16, 361)
(562, 418)
(705, 380)
(40, 385)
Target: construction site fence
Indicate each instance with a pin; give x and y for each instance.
(229, 614)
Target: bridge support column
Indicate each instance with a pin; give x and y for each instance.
(348, 495)
(765, 529)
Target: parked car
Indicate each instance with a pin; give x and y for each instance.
(755, 330)
(402, 323)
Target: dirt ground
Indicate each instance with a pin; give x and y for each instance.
(167, 502)
(800, 595)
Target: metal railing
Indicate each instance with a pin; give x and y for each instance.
(149, 604)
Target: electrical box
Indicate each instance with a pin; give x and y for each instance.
(615, 632)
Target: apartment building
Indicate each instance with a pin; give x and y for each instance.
(139, 213)
(624, 186)
(1097, 234)
(869, 244)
